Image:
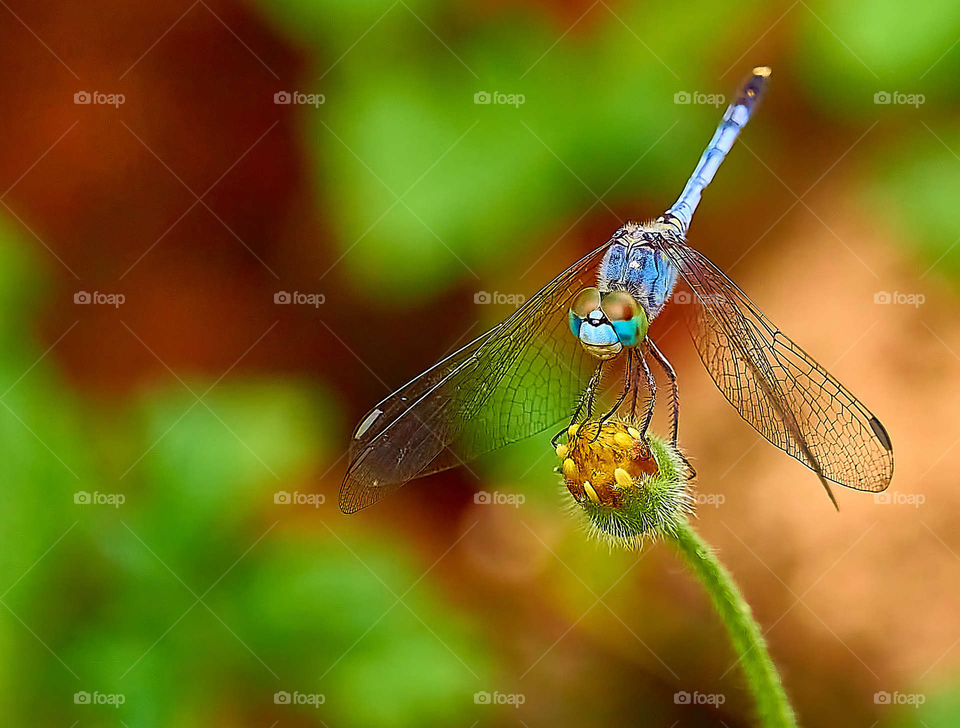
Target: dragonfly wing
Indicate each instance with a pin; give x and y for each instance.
(514, 381)
(777, 387)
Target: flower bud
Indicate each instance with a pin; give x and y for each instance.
(625, 488)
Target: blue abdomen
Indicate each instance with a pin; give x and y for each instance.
(643, 271)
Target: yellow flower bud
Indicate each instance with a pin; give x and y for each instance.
(627, 489)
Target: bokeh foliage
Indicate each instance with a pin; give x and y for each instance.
(115, 598)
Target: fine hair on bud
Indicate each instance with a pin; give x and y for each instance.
(626, 488)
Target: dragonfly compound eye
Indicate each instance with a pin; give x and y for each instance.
(628, 318)
(584, 303)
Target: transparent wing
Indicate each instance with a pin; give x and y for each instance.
(514, 381)
(777, 387)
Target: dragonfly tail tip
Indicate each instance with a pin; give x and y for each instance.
(833, 499)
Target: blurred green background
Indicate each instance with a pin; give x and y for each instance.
(172, 550)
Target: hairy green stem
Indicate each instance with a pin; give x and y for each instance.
(772, 705)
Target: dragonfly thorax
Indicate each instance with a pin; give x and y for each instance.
(636, 263)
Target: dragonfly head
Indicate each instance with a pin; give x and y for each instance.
(605, 322)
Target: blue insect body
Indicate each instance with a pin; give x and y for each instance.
(634, 265)
(735, 118)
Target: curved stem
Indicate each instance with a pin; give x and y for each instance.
(771, 701)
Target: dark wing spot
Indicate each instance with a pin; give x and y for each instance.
(881, 433)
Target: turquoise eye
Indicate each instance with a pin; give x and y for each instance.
(628, 331)
(628, 318)
(603, 336)
(584, 303)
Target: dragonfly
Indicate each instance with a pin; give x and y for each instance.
(544, 363)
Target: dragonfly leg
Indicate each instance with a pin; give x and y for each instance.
(627, 386)
(591, 392)
(674, 392)
(652, 385)
(674, 399)
(585, 399)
